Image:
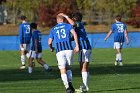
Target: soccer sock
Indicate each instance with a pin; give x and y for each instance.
(30, 69)
(69, 75)
(27, 55)
(117, 57)
(85, 78)
(120, 57)
(46, 66)
(65, 80)
(23, 59)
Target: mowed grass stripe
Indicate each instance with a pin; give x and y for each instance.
(104, 76)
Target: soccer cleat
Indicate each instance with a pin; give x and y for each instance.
(22, 67)
(68, 90)
(82, 89)
(71, 86)
(116, 63)
(121, 64)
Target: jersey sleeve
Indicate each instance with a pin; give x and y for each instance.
(125, 27)
(35, 35)
(112, 28)
(21, 34)
(51, 34)
(70, 27)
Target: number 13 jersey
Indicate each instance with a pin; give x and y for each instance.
(61, 33)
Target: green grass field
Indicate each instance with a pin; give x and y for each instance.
(104, 76)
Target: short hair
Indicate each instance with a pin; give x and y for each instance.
(77, 16)
(33, 25)
(118, 17)
(23, 17)
(60, 16)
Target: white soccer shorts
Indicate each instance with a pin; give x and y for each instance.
(117, 45)
(85, 55)
(64, 58)
(26, 47)
(32, 54)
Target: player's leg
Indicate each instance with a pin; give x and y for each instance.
(41, 62)
(69, 58)
(22, 52)
(30, 68)
(84, 59)
(118, 47)
(62, 67)
(32, 55)
(27, 53)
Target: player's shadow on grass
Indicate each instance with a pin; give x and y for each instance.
(109, 69)
(38, 74)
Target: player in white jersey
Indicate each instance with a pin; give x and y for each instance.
(120, 31)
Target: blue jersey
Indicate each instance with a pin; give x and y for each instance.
(62, 36)
(36, 35)
(118, 29)
(25, 33)
(82, 36)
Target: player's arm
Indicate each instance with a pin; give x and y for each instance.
(68, 19)
(76, 40)
(126, 36)
(108, 35)
(50, 40)
(36, 46)
(21, 36)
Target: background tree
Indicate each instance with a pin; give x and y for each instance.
(47, 12)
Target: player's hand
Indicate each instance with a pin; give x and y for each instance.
(21, 45)
(52, 49)
(127, 42)
(76, 49)
(62, 14)
(105, 39)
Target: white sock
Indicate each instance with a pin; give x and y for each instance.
(85, 78)
(65, 80)
(120, 56)
(23, 59)
(69, 75)
(46, 66)
(117, 57)
(27, 55)
(30, 69)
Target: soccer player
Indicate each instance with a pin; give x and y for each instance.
(120, 31)
(84, 56)
(61, 34)
(25, 36)
(36, 49)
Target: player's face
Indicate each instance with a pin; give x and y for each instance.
(74, 18)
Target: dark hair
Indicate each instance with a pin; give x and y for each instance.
(118, 17)
(77, 16)
(33, 25)
(23, 17)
